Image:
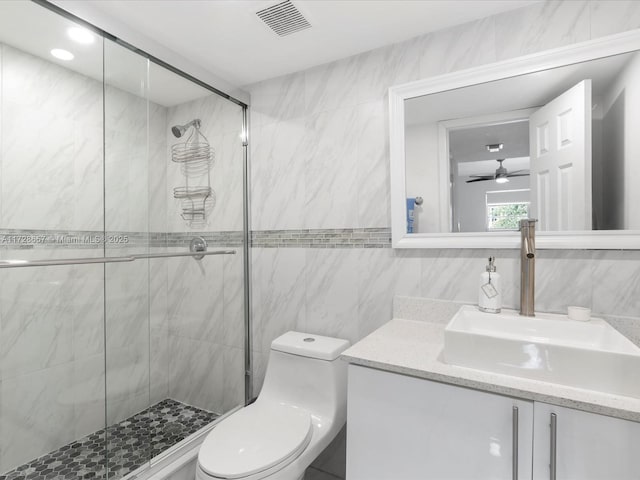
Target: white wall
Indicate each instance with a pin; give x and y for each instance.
(621, 149)
(423, 176)
(597, 166)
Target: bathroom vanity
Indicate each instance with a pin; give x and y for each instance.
(411, 416)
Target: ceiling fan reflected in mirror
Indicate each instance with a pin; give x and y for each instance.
(500, 176)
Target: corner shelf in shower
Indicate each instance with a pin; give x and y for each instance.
(192, 192)
(195, 202)
(194, 158)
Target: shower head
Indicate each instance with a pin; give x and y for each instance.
(178, 130)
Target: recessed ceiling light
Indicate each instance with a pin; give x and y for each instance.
(62, 54)
(81, 35)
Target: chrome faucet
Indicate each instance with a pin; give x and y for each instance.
(527, 266)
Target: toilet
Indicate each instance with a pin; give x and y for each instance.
(300, 410)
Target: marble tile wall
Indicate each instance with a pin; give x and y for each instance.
(221, 124)
(319, 160)
(51, 149)
(134, 177)
(51, 322)
(205, 304)
(51, 356)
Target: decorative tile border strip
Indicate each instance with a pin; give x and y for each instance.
(323, 238)
(25, 239)
(222, 239)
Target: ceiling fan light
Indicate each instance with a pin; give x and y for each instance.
(502, 179)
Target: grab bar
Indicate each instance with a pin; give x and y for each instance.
(88, 260)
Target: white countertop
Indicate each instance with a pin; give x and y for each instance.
(412, 347)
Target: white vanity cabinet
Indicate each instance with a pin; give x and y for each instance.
(586, 446)
(405, 428)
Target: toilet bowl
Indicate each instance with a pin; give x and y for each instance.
(300, 410)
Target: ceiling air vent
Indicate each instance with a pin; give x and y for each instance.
(283, 18)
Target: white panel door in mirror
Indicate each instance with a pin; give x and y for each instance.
(561, 161)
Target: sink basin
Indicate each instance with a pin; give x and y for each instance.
(547, 347)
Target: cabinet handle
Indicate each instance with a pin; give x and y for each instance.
(514, 442)
(553, 443)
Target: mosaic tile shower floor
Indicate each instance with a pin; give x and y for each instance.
(131, 443)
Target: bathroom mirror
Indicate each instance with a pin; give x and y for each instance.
(551, 136)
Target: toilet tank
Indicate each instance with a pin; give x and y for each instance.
(305, 370)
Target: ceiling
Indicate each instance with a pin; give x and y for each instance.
(35, 30)
(469, 144)
(227, 38)
(514, 93)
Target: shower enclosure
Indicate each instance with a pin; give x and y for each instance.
(118, 345)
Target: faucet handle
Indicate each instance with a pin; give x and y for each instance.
(528, 222)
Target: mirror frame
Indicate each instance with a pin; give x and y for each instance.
(576, 53)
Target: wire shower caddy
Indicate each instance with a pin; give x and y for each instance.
(196, 158)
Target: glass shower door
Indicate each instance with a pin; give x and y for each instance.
(174, 324)
(116, 346)
(127, 163)
(52, 390)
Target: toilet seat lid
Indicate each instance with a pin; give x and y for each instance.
(254, 439)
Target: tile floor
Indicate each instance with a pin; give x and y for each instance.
(131, 443)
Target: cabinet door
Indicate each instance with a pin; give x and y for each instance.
(405, 428)
(587, 446)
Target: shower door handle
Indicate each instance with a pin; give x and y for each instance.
(66, 261)
(90, 260)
